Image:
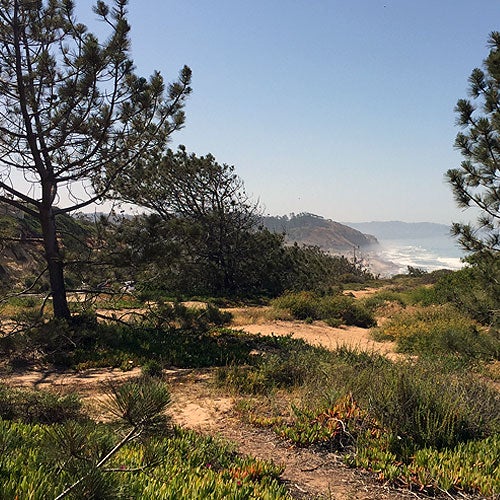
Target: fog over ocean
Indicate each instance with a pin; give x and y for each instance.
(421, 245)
(426, 253)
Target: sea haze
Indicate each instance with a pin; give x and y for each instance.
(425, 245)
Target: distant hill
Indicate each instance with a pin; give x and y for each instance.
(397, 230)
(310, 229)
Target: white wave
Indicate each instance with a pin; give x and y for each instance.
(394, 257)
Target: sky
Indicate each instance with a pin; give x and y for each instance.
(342, 108)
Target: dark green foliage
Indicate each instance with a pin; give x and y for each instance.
(54, 340)
(309, 306)
(152, 368)
(140, 403)
(73, 112)
(475, 182)
(204, 216)
(203, 237)
(166, 315)
(171, 334)
(284, 363)
(169, 258)
(166, 258)
(310, 268)
(475, 289)
(31, 406)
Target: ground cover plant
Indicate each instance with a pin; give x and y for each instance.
(399, 420)
(142, 457)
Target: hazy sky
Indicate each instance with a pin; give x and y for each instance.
(343, 108)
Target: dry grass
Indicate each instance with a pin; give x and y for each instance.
(257, 315)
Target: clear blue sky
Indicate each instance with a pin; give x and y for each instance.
(343, 108)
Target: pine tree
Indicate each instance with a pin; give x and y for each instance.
(73, 114)
(204, 203)
(477, 182)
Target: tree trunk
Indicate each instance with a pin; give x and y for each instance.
(54, 263)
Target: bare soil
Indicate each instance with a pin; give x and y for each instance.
(319, 333)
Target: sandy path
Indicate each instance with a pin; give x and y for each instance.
(319, 333)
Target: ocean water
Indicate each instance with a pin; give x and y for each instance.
(431, 253)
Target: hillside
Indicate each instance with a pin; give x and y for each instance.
(310, 229)
(21, 249)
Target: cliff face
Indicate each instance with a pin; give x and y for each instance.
(310, 229)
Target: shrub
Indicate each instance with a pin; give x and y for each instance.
(30, 406)
(475, 289)
(348, 310)
(335, 309)
(284, 363)
(381, 298)
(301, 305)
(438, 330)
(421, 408)
(152, 368)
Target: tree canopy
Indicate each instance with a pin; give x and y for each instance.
(74, 115)
(476, 183)
(202, 210)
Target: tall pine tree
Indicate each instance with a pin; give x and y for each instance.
(73, 114)
(476, 183)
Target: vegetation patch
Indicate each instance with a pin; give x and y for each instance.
(335, 309)
(31, 406)
(384, 416)
(137, 455)
(438, 330)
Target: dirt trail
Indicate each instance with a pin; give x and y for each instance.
(308, 474)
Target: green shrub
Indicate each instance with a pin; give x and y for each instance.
(347, 309)
(152, 368)
(438, 330)
(285, 363)
(32, 406)
(381, 298)
(301, 305)
(421, 408)
(171, 334)
(337, 309)
(475, 289)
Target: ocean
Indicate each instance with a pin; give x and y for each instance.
(427, 253)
